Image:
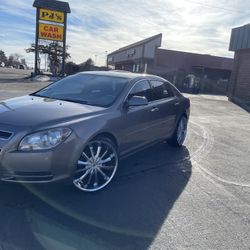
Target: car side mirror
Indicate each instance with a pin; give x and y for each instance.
(136, 101)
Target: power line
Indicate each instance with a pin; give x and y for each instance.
(217, 7)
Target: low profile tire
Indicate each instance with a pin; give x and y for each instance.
(97, 165)
(180, 133)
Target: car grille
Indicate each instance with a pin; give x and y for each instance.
(4, 135)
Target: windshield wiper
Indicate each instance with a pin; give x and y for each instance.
(75, 101)
(63, 99)
(39, 95)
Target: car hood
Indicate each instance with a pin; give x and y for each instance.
(32, 111)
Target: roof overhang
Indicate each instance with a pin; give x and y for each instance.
(52, 5)
(240, 38)
(142, 42)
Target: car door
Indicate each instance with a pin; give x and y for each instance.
(167, 103)
(138, 124)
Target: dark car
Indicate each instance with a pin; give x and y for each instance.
(80, 126)
(21, 66)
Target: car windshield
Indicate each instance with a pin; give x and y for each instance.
(96, 90)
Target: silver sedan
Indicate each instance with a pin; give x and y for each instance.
(79, 127)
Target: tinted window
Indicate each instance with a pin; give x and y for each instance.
(141, 88)
(161, 90)
(86, 88)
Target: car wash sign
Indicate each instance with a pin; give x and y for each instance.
(51, 19)
(51, 24)
(51, 32)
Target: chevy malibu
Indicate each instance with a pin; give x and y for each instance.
(79, 127)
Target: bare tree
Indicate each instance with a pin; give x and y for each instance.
(3, 58)
(55, 53)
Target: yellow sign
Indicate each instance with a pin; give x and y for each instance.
(51, 15)
(50, 32)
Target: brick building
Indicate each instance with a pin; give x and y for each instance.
(211, 73)
(239, 90)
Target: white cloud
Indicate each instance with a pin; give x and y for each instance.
(98, 26)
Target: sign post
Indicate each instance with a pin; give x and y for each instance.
(64, 45)
(36, 43)
(51, 24)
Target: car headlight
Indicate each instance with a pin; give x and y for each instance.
(44, 140)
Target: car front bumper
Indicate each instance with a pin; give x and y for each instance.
(41, 166)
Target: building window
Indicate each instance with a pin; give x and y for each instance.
(110, 59)
(131, 52)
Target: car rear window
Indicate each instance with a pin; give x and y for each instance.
(161, 90)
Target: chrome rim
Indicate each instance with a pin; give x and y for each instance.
(182, 131)
(96, 166)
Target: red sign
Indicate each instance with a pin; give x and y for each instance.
(50, 32)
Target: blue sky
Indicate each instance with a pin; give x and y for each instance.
(95, 27)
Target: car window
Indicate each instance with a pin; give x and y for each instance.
(86, 88)
(141, 88)
(169, 90)
(161, 90)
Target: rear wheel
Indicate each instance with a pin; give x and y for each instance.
(97, 165)
(180, 133)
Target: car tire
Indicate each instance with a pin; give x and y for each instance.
(180, 133)
(97, 165)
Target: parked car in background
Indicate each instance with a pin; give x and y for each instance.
(21, 66)
(79, 127)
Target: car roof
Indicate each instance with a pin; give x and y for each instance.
(123, 74)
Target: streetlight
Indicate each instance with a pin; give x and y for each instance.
(95, 59)
(106, 52)
(102, 54)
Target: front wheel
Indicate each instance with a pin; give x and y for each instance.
(97, 165)
(180, 133)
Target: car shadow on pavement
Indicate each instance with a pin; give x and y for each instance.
(128, 214)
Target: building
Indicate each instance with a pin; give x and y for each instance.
(208, 73)
(137, 57)
(239, 90)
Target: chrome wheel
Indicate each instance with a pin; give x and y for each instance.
(182, 130)
(96, 166)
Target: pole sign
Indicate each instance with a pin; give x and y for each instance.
(51, 24)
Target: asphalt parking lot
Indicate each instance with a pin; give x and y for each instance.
(196, 197)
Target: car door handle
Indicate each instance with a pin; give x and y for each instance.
(154, 109)
(176, 104)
